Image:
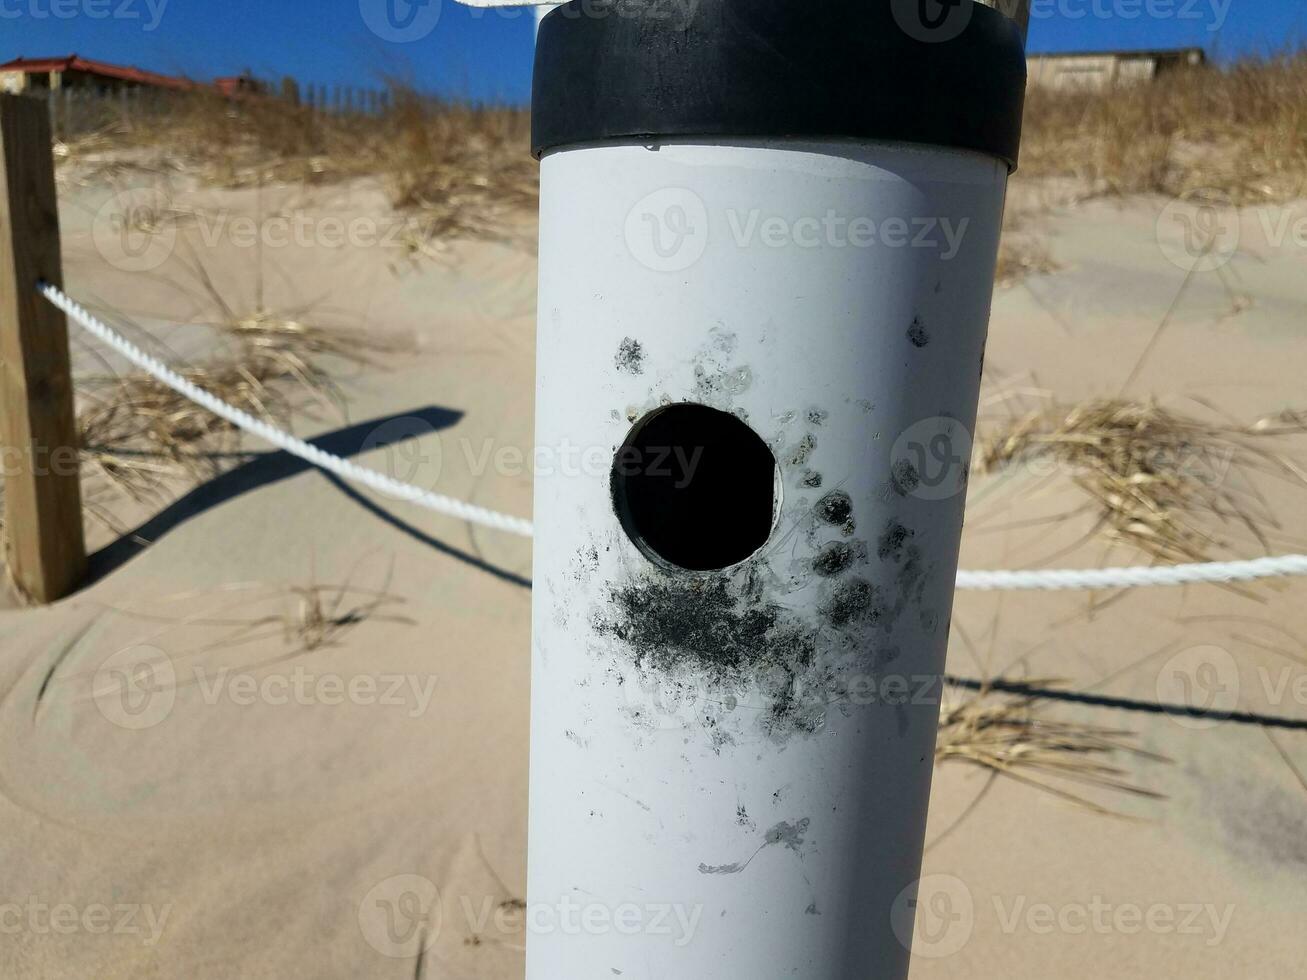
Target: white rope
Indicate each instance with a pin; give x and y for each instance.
(277, 437)
(1046, 580)
(1137, 577)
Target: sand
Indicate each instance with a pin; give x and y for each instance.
(271, 813)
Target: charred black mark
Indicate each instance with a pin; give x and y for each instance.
(722, 869)
(812, 479)
(703, 624)
(891, 542)
(804, 450)
(837, 508)
(854, 601)
(918, 334)
(834, 559)
(789, 834)
(904, 478)
(630, 356)
(817, 417)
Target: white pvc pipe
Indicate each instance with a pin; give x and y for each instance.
(730, 769)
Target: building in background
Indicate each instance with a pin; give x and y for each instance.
(37, 75)
(1098, 70)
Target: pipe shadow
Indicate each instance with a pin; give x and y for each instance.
(263, 469)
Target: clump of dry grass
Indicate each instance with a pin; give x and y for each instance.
(1162, 480)
(1022, 250)
(460, 170)
(141, 436)
(1007, 735)
(1240, 130)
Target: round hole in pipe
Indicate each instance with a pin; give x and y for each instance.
(695, 487)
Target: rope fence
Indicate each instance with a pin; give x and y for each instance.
(1048, 580)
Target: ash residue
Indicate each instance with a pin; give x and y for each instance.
(704, 625)
(811, 479)
(630, 356)
(904, 477)
(726, 633)
(917, 333)
(891, 542)
(855, 601)
(834, 559)
(803, 451)
(789, 834)
(837, 508)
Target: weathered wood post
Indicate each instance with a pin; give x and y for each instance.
(45, 546)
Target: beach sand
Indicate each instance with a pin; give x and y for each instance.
(263, 815)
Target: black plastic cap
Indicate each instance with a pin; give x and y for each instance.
(651, 70)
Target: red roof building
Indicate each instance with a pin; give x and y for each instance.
(73, 71)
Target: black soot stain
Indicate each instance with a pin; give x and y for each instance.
(834, 559)
(837, 508)
(904, 477)
(917, 333)
(855, 601)
(811, 479)
(890, 543)
(725, 630)
(630, 356)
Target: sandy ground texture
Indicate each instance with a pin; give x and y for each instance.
(337, 724)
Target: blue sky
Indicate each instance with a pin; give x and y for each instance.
(445, 47)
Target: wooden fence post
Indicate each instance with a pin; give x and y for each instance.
(45, 546)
